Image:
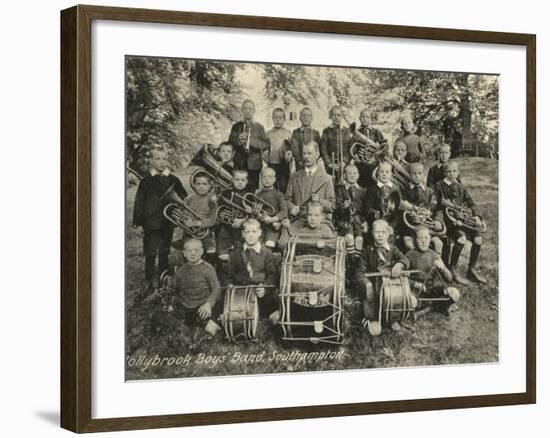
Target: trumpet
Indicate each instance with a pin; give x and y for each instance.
(241, 206)
(462, 216)
(422, 217)
(248, 131)
(400, 176)
(364, 150)
(180, 214)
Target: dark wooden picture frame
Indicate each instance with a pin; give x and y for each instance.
(76, 217)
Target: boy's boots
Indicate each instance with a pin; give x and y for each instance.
(455, 255)
(473, 275)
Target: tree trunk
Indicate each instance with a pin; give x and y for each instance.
(466, 115)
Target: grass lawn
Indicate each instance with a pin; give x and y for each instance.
(467, 335)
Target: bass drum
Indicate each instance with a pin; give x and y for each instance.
(312, 289)
(240, 313)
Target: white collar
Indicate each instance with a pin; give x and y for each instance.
(257, 247)
(348, 185)
(165, 172)
(448, 181)
(381, 184)
(385, 245)
(311, 170)
(412, 186)
(303, 128)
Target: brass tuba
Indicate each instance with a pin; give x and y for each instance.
(462, 216)
(363, 149)
(422, 217)
(179, 213)
(221, 179)
(400, 175)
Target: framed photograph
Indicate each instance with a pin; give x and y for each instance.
(269, 218)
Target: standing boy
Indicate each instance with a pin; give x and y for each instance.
(414, 145)
(279, 145)
(148, 214)
(335, 143)
(249, 142)
(303, 135)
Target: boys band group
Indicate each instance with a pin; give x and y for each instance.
(393, 216)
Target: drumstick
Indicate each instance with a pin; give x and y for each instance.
(388, 273)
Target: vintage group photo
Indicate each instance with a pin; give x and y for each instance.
(285, 218)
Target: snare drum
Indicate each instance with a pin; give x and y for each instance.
(240, 313)
(397, 303)
(312, 289)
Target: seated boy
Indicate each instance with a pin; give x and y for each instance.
(315, 223)
(437, 171)
(454, 193)
(378, 197)
(416, 196)
(271, 225)
(229, 236)
(254, 264)
(205, 206)
(148, 214)
(350, 204)
(197, 292)
(378, 256)
(423, 259)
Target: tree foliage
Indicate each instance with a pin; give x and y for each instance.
(177, 104)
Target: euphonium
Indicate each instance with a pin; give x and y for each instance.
(180, 214)
(240, 206)
(422, 217)
(462, 216)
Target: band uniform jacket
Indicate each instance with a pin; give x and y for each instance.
(149, 205)
(376, 202)
(332, 139)
(376, 258)
(251, 159)
(366, 170)
(357, 195)
(437, 173)
(456, 193)
(300, 136)
(301, 187)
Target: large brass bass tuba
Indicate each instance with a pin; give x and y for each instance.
(363, 149)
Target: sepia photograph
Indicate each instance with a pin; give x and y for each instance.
(285, 218)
